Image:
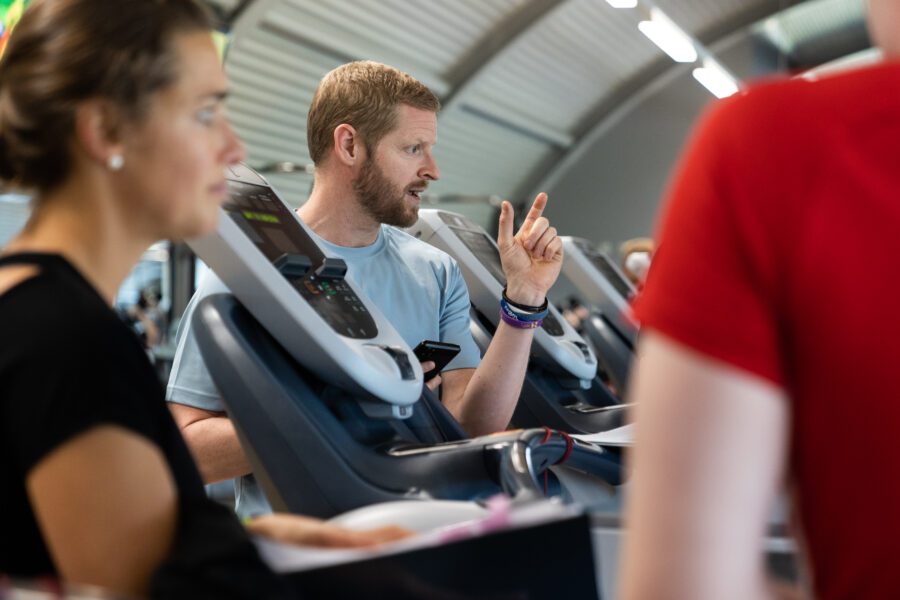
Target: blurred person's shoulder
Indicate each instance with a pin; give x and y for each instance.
(810, 107)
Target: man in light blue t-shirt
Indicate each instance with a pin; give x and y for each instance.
(370, 130)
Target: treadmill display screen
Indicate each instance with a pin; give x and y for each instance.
(484, 250)
(269, 224)
(602, 263)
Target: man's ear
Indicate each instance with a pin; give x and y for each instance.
(348, 145)
(98, 130)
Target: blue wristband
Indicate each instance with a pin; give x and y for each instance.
(520, 319)
(521, 315)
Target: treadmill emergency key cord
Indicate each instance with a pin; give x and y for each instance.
(570, 444)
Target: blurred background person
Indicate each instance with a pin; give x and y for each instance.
(146, 318)
(636, 256)
(575, 313)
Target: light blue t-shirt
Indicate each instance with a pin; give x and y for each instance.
(419, 289)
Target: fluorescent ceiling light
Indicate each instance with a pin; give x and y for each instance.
(716, 79)
(622, 3)
(669, 37)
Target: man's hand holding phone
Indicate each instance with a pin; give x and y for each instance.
(429, 367)
(434, 356)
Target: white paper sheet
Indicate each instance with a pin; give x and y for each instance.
(288, 558)
(620, 437)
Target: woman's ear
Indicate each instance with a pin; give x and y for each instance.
(98, 131)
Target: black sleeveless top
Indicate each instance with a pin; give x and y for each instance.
(67, 363)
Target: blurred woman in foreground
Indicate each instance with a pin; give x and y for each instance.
(111, 113)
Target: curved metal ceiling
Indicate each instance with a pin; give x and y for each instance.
(524, 82)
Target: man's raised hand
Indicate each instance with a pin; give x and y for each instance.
(532, 258)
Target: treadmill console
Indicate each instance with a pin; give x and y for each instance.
(271, 225)
(484, 250)
(608, 269)
(270, 261)
(607, 293)
(601, 285)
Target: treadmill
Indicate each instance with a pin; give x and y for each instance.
(607, 293)
(328, 400)
(561, 388)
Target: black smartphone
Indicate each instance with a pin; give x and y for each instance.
(440, 353)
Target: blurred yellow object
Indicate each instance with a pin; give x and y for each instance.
(10, 13)
(221, 40)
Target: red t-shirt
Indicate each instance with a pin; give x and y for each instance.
(778, 254)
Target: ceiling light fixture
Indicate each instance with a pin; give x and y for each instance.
(716, 79)
(622, 3)
(663, 32)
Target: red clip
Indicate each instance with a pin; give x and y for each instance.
(570, 445)
(547, 433)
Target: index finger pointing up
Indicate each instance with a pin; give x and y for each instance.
(537, 209)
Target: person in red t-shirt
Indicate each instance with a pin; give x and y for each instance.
(771, 344)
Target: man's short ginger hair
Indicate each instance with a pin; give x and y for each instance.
(364, 95)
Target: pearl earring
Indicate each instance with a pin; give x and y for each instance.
(115, 162)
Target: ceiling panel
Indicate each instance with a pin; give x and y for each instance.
(421, 36)
(697, 16)
(480, 158)
(553, 75)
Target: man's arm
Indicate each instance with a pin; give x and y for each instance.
(213, 442)
(709, 457)
(483, 399)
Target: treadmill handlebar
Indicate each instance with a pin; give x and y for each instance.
(536, 450)
(521, 457)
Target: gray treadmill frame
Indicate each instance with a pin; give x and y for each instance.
(597, 290)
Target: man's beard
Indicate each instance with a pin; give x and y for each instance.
(381, 199)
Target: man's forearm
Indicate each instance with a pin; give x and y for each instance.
(490, 397)
(216, 449)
